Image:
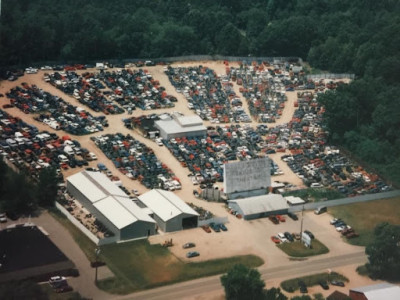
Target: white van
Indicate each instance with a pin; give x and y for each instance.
(320, 210)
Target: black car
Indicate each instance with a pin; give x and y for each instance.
(192, 254)
(292, 216)
(324, 284)
(289, 236)
(309, 233)
(337, 283)
(303, 287)
(215, 227)
(189, 245)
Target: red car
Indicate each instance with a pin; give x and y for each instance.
(281, 218)
(275, 239)
(206, 228)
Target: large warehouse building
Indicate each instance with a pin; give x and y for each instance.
(259, 206)
(169, 211)
(178, 125)
(110, 205)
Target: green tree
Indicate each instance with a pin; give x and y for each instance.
(46, 189)
(243, 283)
(384, 252)
(24, 289)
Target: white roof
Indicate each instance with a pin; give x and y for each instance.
(86, 186)
(187, 121)
(260, 204)
(108, 199)
(172, 126)
(380, 291)
(294, 200)
(119, 212)
(166, 205)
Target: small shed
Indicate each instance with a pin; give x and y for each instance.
(292, 201)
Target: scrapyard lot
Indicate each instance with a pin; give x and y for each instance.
(281, 137)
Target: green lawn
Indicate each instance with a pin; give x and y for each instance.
(138, 265)
(297, 249)
(363, 217)
(315, 195)
(292, 285)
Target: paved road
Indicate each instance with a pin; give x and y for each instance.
(193, 288)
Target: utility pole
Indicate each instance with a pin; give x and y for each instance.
(301, 223)
(97, 251)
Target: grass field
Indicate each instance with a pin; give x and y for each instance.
(297, 249)
(138, 265)
(363, 217)
(292, 285)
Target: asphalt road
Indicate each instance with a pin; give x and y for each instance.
(193, 288)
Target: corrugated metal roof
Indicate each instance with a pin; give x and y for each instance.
(86, 187)
(166, 205)
(109, 200)
(171, 127)
(187, 121)
(380, 291)
(294, 200)
(260, 204)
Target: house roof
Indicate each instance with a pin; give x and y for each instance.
(379, 291)
(166, 205)
(260, 204)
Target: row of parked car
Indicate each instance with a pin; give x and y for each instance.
(345, 230)
(216, 227)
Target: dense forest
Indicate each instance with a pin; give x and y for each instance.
(359, 36)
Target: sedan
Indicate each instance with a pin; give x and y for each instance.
(192, 254)
(337, 283)
(309, 233)
(275, 239)
(3, 218)
(303, 287)
(289, 236)
(282, 237)
(206, 228)
(223, 227)
(324, 285)
(334, 221)
(293, 216)
(281, 218)
(189, 245)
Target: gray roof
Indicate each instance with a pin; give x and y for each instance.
(379, 291)
(171, 126)
(260, 204)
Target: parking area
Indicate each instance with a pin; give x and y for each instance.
(254, 237)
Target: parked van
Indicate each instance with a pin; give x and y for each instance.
(320, 210)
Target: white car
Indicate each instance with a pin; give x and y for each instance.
(282, 237)
(341, 228)
(159, 142)
(194, 180)
(3, 218)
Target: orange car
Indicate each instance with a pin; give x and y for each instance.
(206, 228)
(281, 218)
(275, 239)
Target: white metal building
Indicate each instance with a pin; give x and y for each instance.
(291, 200)
(110, 205)
(378, 291)
(178, 125)
(259, 206)
(169, 211)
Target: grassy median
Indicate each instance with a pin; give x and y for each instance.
(297, 249)
(363, 217)
(138, 265)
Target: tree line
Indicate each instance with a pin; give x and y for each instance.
(359, 36)
(19, 194)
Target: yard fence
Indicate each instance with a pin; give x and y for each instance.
(342, 201)
(331, 76)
